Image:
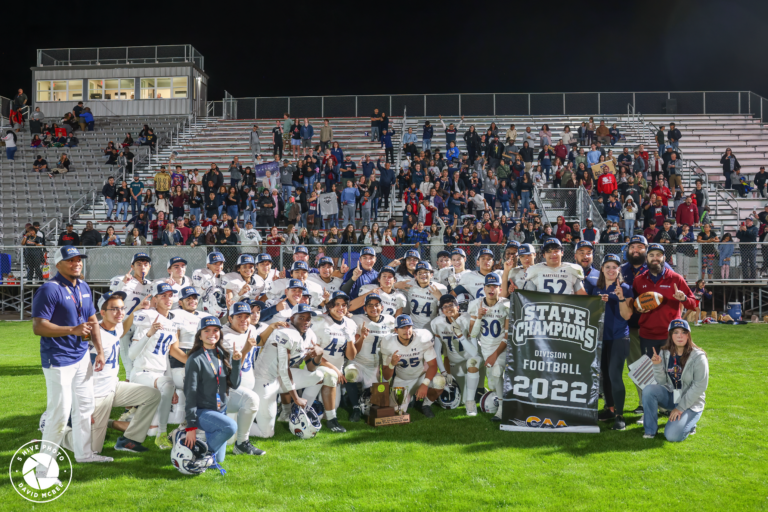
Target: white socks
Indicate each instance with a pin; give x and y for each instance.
(472, 380)
(330, 414)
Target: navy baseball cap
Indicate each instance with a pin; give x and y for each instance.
(301, 248)
(189, 291)
(303, 308)
(244, 259)
(372, 296)
(368, 251)
(638, 239)
(176, 259)
(551, 241)
(239, 308)
(140, 256)
(108, 295)
(583, 244)
(656, 247)
(492, 279)
(68, 252)
(325, 260)
(460, 252)
(163, 288)
(679, 323)
(513, 243)
(209, 321)
(338, 294)
(299, 265)
(215, 257)
(262, 305)
(306, 293)
(412, 253)
(448, 299)
(485, 252)
(613, 258)
(261, 258)
(526, 249)
(403, 321)
(295, 283)
(443, 253)
(423, 265)
(388, 269)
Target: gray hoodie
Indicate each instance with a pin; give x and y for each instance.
(286, 175)
(694, 379)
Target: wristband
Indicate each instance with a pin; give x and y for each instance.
(190, 429)
(391, 366)
(426, 382)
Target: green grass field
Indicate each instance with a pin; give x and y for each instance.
(452, 462)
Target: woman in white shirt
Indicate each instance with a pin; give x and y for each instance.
(426, 185)
(569, 139)
(374, 237)
(162, 204)
(10, 144)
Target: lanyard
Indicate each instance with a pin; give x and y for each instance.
(78, 304)
(215, 373)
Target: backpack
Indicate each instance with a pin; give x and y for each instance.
(503, 172)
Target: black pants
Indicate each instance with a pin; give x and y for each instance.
(471, 154)
(278, 149)
(390, 155)
(386, 190)
(647, 346)
(727, 180)
(615, 353)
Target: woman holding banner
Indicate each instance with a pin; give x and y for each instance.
(617, 296)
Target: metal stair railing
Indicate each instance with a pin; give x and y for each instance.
(393, 190)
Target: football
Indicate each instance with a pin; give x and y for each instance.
(648, 301)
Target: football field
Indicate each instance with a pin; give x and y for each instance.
(451, 462)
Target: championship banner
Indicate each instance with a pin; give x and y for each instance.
(603, 167)
(552, 375)
(328, 203)
(260, 171)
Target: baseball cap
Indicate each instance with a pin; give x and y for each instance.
(215, 257)
(325, 260)
(262, 305)
(403, 321)
(584, 243)
(679, 323)
(526, 249)
(368, 251)
(68, 252)
(638, 239)
(656, 247)
(189, 291)
(460, 252)
(302, 308)
(176, 259)
(448, 299)
(163, 288)
(300, 248)
(140, 256)
(209, 321)
(513, 243)
(244, 259)
(372, 296)
(412, 253)
(338, 294)
(485, 252)
(295, 283)
(239, 308)
(108, 295)
(492, 279)
(263, 257)
(423, 265)
(388, 269)
(611, 257)
(551, 241)
(299, 265)
(443, 253)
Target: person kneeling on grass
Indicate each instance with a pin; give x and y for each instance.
(682, 371)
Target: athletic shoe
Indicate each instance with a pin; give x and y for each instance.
(162, 442)
(285, 413)
(693, 431)
(496, 419)
(664, 412)
(335, 427)
(605, 415)
(639, 410)
(619, 424)
(95, 457)
(471, 406)
(427, 411)
(649, 436)
(640, 421)
(355, 416)
(124, 444)
(152, 431)
(246, 448)
(128, 414)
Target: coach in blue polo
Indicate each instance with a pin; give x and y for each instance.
(361, 275)
(63, 315)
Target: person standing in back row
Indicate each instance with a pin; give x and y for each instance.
(674, 136)
(450, 132)
(254, 142)
(375, 120)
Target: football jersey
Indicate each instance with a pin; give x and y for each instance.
(444, 334)
(566, 279)
(153, 355)
(517, 276)
(186, 281)
(232, 340)
(105, 381)
(371, 347)
(399, 277)
(278, 287)
(263, 285)
(235, 282)
(334, 285)
(474, 282)
(203, 278)
(266, 366)
(333, 337)
(188, 323)
(422, 304)
(391, 302)
(413, 357)
(135, 291)
(492, 331)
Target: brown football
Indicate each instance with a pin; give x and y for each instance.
(648, 301)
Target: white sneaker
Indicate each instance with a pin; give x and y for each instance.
(152, 432)
(95, 458)
(471, 406)
(649, 436)
(640, 421)
(285, 414)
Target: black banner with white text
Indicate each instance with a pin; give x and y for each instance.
(552, 375)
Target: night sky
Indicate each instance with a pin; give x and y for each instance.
(451, 47)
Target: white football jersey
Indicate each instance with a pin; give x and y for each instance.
(135, 290)
(232, 340)
(422, 304)
(399, 278)
(105, 381)
(334, 285)
(517, 276)
(188, 323)
(474, 282)
(153, 355)
(203, 278)
(186, 281)
(445, 335)
(413, 357)
(566, 279)
(492, 331)
(263, 285)
(235, 282)
(391, 302)
(371, 347)
(278, 287)
(441, 275)
(334, 337)
(266, 364)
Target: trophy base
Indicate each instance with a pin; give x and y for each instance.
(382, 416)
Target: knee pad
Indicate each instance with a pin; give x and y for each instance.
(474, 362)
(438, 382)
(330, 378)
(351, 373)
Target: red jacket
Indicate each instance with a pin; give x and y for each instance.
(606, 183)
(687, 214)
(655, 325)
(562, 230)
(662, 193)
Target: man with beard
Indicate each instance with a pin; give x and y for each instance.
(584, 255)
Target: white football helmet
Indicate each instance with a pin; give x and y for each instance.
(190, 461)
(451, 397)
(304, 423)
(42, 421)
(215, 301)
(489, 403)
(351, 372)
(365, 402)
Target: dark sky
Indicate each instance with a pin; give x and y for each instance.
(449, 47)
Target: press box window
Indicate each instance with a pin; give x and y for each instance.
(164, 88)
(59, 90)
(114, 89)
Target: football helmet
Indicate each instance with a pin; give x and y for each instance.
(190, 461)
(42, 421)
(489, 403)
(319, 408)
(303, 423)
(365, 402)
(451, 397)
(215, 301)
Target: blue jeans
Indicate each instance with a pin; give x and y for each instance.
(110, 205)
(674, 145)
(309, 182)
(505, 208)
(303, 220)
(218, 428)
(662, 149)
(613, 218)
(426, 144)
(297, 184)
(195, 212)
(150, 212)
(349, 214)
(234, 182)
(655, 396)
(249, 216)
(525, 198)
(629, 227)
(136, 205)
(221, 209)
(375, 208)
(374, 134)
(547, 168)
(287, 191)
(9, 152)
(233, 212)
(124, 208)
(491, 200)
(332, 220)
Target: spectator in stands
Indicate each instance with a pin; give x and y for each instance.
(427, 133)
(307, 132)
(687, 213)
(162, 204)
(195, 202)
(629, 213)
(10, 144)
(603, 133)
(171, 236)
(254, 141)
(708, 250)
(33, 258)
(178, 199)
(747, 236)
(662, 192)
(760, 181)
(197, 237)
(162, 181)
(674, 173)
(135, 238)
(725, 248)
(123, 196)
(109, 191)
(674, 136)
(69, 237)
(111, 238)
(149, 203)
(90, 237)
(137, 189)
(37, 115)
(740, 183)
(348, 200)
(158, 227)
(235, 172)
(87, 116)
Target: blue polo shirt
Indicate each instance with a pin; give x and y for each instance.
(57, 301)
(614, 326)
(590, 279)
(367, 277)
